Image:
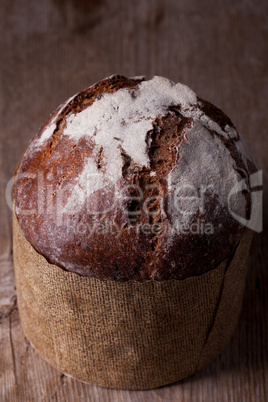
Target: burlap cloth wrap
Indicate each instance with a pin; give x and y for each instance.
(127, 335)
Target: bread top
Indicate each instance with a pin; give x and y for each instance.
(132, 179)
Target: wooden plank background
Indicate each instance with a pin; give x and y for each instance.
(49, 50)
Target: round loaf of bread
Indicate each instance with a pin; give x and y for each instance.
(129, 254)
(132, 179)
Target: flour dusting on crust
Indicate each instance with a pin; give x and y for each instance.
(120, 121)
(49, 130)
(205, 165)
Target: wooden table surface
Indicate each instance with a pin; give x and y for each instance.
(51, 49)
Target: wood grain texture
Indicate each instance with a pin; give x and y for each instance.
(50, 50)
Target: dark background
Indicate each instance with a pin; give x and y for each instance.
(51, 49)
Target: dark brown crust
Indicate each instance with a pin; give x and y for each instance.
(133, 253)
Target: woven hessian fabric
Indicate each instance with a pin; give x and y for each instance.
(128, 335)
